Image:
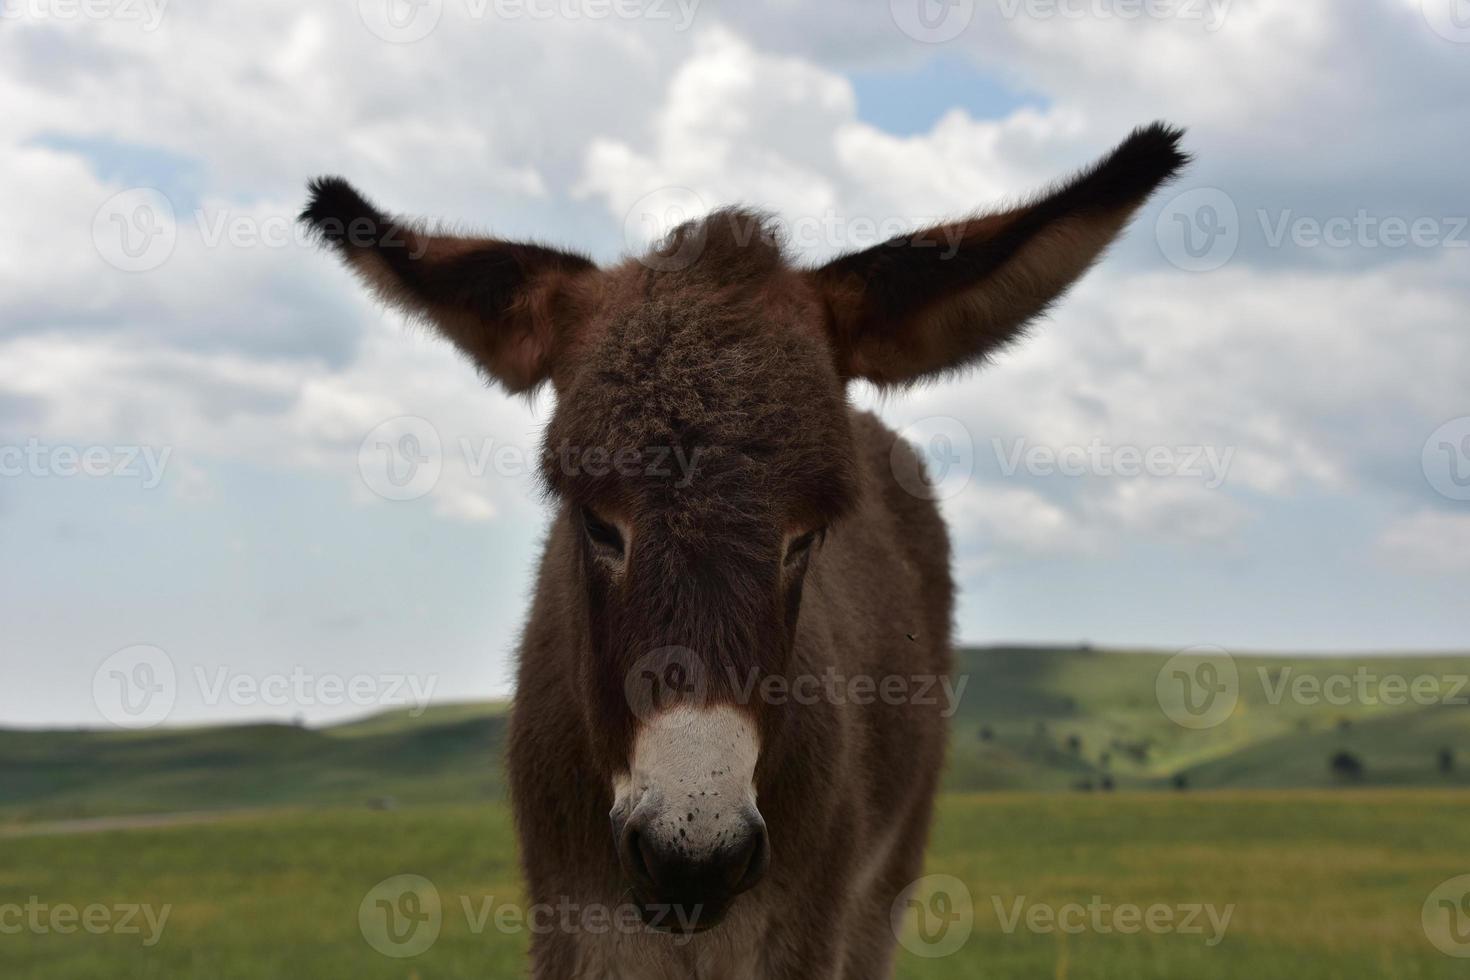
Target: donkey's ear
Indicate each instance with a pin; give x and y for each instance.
(946, 298)
(497, 301)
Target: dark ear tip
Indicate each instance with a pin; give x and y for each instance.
(1155, 149)
(334, 205)
(1147, 159)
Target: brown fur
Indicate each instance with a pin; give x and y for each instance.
(743, 359)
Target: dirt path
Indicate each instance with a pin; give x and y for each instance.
(139, 821)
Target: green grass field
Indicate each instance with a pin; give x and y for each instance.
(264, 840)
(1323, 885)
(1029, 719)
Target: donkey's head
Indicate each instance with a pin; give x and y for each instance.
(700, 448)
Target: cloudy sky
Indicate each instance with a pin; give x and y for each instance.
(1250, 427)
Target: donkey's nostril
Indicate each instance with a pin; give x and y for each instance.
(756, 859)
(635, 857)
(690, 870)
(644, 857)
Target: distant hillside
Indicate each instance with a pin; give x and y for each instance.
(1032, 703)
(1029, 718)
(448, 753)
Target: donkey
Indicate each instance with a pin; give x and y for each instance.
(694, 796)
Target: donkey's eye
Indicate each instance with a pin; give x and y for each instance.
(799, 547)
(604, 537)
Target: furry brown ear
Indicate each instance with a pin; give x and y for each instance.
(946, 298)
(496, 300)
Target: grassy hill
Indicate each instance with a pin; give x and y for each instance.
(1029, 719)
(448, 753)
(1057, 718)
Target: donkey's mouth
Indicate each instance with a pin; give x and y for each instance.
(680, 918)
(678, 892)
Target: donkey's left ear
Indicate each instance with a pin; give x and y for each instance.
(498, 301)
(946, 298)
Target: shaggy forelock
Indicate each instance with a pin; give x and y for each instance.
(711, 359)
(731, 246)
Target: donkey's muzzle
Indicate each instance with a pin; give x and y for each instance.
(683, 887)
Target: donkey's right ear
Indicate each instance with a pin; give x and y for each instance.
(924, 305)
(498, 301)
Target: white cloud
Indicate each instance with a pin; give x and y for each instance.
(739, 126)
(281, 414)
(1428, 542)
(735, 126)
(1172, 510)
(1322, 371)
(269, 353)
(1005, 520)
(1285, 372)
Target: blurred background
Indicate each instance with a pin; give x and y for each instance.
(1212, 520)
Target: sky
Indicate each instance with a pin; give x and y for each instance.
(226, 473)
